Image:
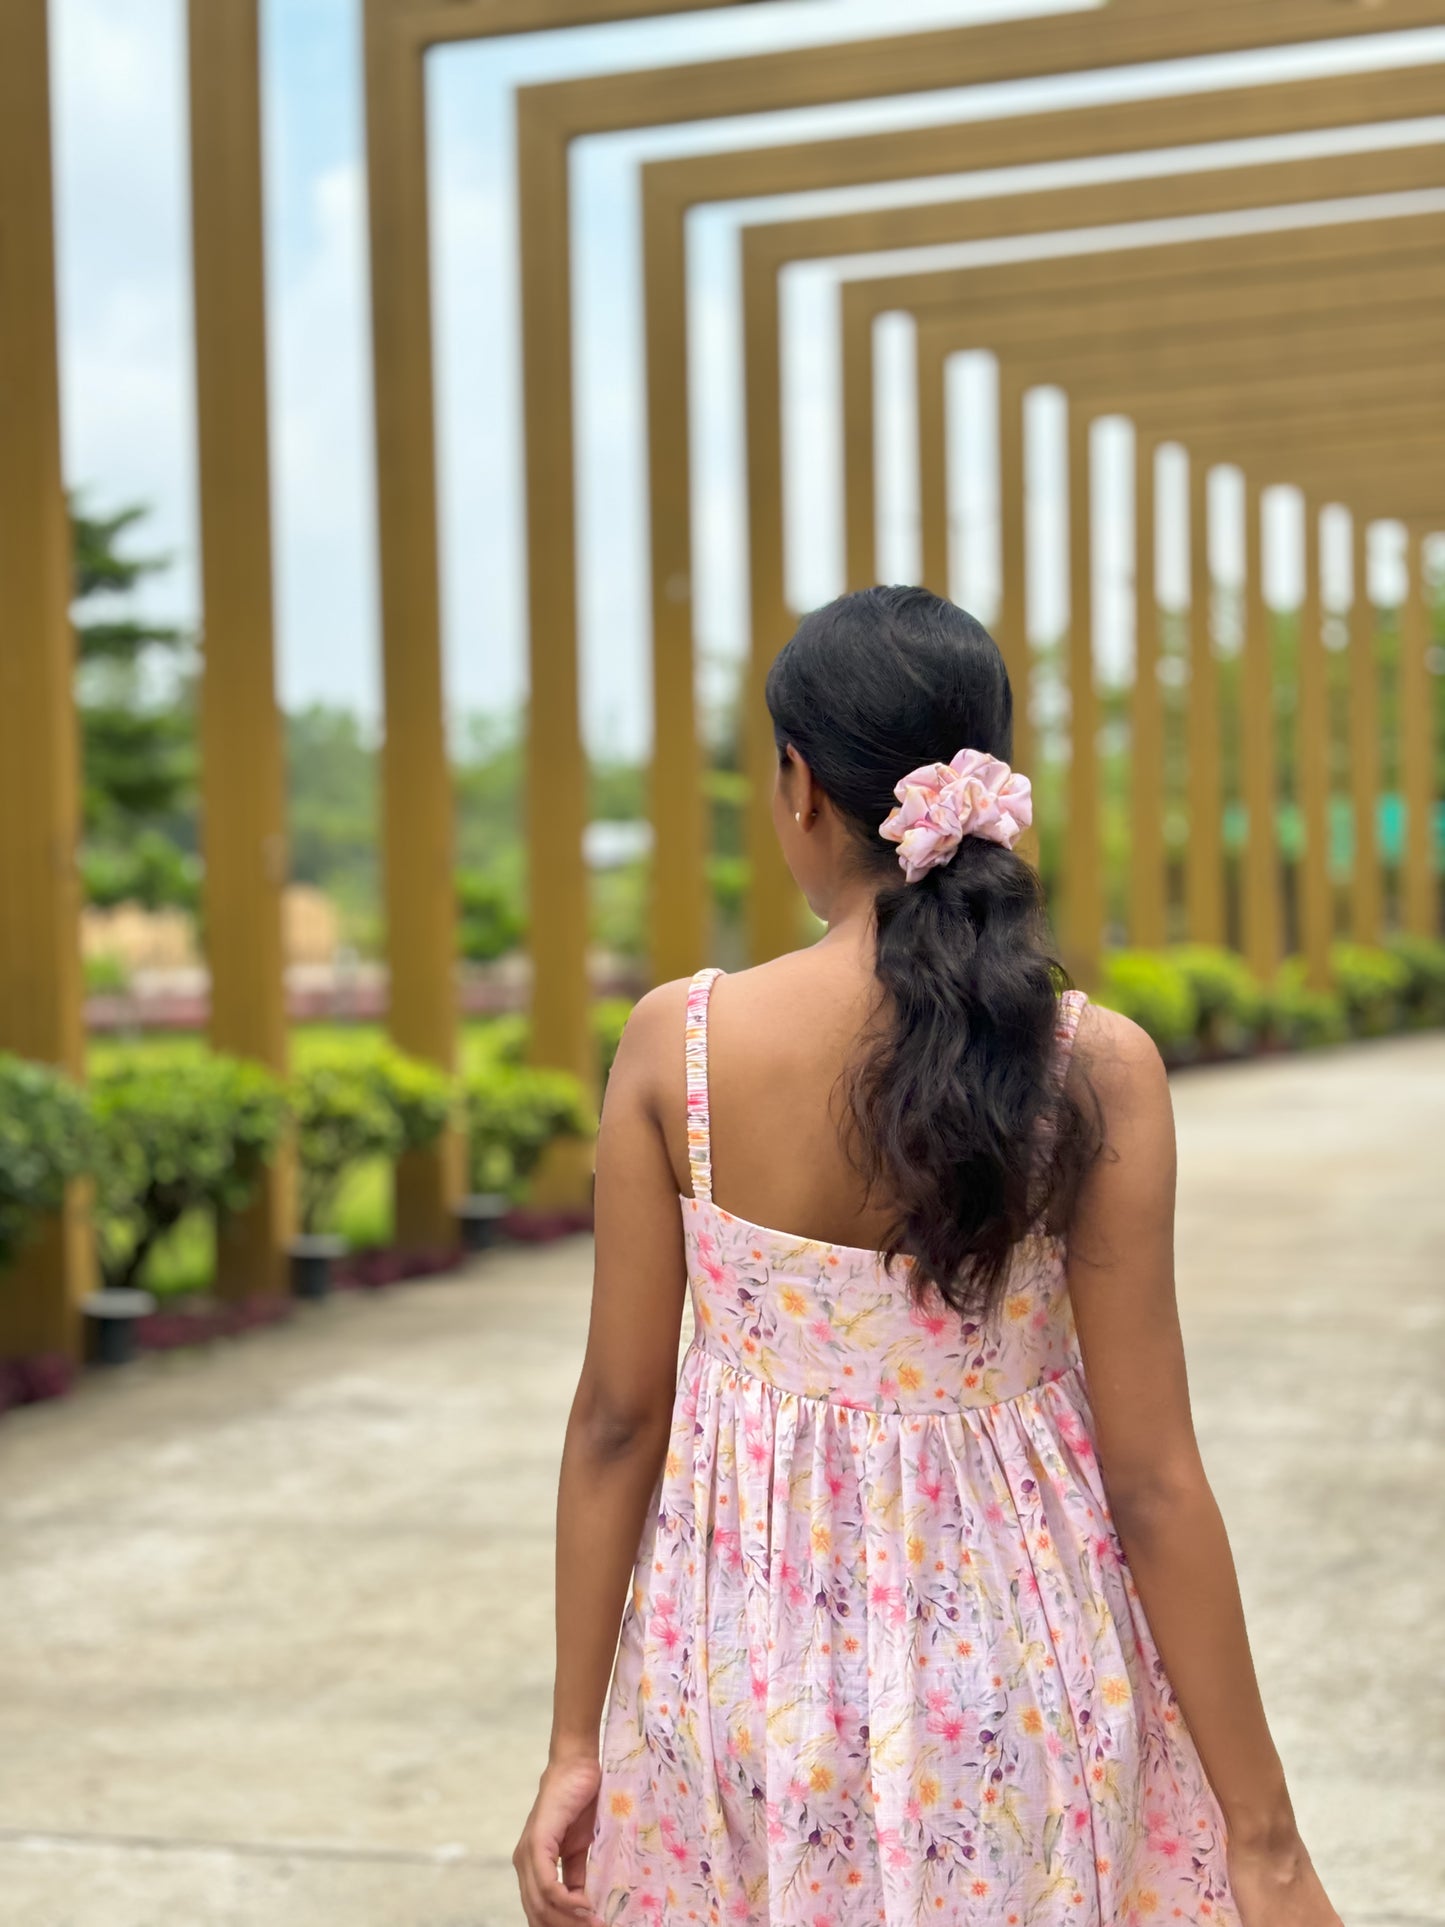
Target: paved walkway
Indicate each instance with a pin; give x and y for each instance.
(273, 1621)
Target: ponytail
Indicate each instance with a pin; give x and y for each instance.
(956, 1114)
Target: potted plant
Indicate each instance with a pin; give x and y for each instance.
(174, 1135)
(342, 1117)
(47, 1138)
(513, 1113)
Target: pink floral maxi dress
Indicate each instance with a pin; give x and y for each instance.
(883, 1659)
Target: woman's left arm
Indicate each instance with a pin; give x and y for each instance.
(616, 1440)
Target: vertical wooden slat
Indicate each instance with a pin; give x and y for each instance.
(1082, 919)
(1366, 881)
(933, 461)
(773, 914)
(1011, 626)
(1147, 872)
(417, 800)
(1204, 860)
(1317, 920)
(1261, 876)
(1420, 894)
(242, 762)
(860, 453)
(679, 920)
(40, 973)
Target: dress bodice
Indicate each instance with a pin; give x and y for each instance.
(830, 1321)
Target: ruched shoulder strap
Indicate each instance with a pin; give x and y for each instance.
(699, 1128)
(1066, 1029)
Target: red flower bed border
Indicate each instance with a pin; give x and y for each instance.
(46, 1375)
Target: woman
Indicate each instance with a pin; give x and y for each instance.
(933, 1616)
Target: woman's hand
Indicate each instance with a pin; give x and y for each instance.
(1278, 1887)
(559, 1828)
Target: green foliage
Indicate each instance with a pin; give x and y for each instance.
(1424, 995)
(137, 727)
(1301, 1018)
(359, 1100)
(177, 1136)
(1373, 985)
(46, 1138)
(1149, 987)
(106, 976)
(513, 1114)
(421, 1096)
(150, 871)
(333, 806)
(1230, 1005)
(609, 1020)
(489, 917)
(343, 1118)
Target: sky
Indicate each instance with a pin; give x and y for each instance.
(127, 369)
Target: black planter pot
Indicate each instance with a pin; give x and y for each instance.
(479, 1219)
(311, 1261)
(111, 1318)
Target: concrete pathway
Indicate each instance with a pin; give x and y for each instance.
(274, 1633)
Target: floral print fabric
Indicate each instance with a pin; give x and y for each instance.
(883, 1661)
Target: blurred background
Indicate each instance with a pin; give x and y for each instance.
(420, 423)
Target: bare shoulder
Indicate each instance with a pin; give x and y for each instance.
(653, 1033)
(1120, 1063)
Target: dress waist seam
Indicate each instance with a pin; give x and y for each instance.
(1073, 1370)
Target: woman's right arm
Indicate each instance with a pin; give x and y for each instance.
(1121, 1281)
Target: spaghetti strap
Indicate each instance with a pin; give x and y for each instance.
(1066, 1030)
(699, 1126)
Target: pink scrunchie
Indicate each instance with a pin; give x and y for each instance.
(941, 803)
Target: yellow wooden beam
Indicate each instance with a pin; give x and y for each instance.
(242, 765)
(1261, 879)
(1081, 922)
(1148, 881)
(40, 973)
(550, 117)
(1367, 909)
(1420, 883)
(417, 799)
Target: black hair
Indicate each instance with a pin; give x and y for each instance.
(957, 1116)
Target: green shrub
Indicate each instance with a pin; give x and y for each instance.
(496, 1040)
(1424, 996)
(1147, 986)
(1373, 986)
(361, 1099)
(422, 1096)
(1301, 1018)
(47, 1137)
(106, 975)
(343, 1117)
(1231, 1005)
(489, 919)
(175, 1137)
(513, 1114)
(609, 1020)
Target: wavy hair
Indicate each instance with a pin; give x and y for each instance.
(957, 1117)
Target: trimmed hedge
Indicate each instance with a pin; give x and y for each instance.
(1148, 987)
(513, 1112)
(173, 1138)
(170, 1133)
(47, 1137)
(1197, 1001)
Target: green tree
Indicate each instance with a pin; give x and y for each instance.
(332, 786)
(135, 692)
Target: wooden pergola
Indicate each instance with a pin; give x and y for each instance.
(1344, 401)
